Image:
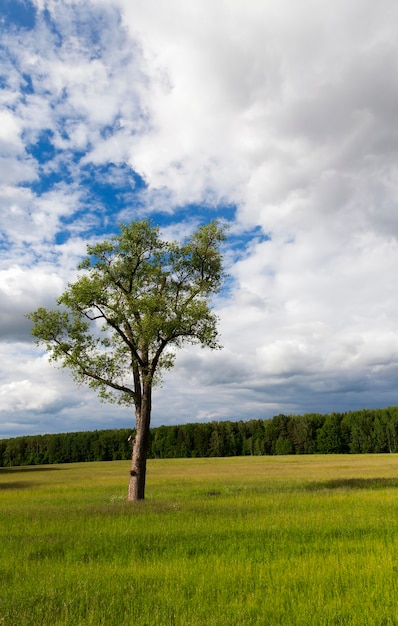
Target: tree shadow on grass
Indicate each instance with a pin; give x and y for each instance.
(353, 483)
(27, 470)
(17, 484)
(30, 468)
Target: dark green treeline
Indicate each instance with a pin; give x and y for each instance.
(365, 431)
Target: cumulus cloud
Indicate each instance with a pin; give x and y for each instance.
(22, 291)
(285, 112)
(36, 397)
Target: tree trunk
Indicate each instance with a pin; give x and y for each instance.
(140, 447)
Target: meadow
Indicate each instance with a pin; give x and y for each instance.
(287, 540)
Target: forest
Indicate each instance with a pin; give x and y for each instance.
(355, 432)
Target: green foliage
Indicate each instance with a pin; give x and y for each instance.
(137, 300)
(329, 436)
(97, 445)
(294, 434)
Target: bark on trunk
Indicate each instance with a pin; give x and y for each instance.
(140, 447)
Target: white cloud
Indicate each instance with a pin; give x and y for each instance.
(22, 291)
(263, 92)
(32, 220)
(21, 394)
(10, 132)
(36, 397)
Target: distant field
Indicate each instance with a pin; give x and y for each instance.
(295, 540)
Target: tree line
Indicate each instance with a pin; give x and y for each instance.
(364, 431)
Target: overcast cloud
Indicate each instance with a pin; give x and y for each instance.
(280, 117)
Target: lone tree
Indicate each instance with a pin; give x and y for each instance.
(118, 325)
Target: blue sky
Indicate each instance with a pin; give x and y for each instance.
(280, 118)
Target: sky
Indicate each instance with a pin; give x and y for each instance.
(279, 117)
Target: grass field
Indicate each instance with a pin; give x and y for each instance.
(297, 540)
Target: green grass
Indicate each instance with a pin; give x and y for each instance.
(299, 540)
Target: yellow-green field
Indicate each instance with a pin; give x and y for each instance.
(297, 540)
